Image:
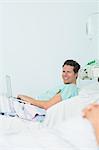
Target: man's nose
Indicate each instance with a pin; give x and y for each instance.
(65, 73)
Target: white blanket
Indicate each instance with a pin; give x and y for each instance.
(68, 109)
(75, 134)
(63, 129)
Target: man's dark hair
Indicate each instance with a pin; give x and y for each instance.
(73, 63)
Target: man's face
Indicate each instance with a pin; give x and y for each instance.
(68, 74)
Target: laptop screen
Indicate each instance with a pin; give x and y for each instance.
(9, 93)
(8, 86)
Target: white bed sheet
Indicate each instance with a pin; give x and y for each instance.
(17, 134)
(63, 129)
(74, 134)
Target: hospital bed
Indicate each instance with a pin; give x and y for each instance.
(63, 127)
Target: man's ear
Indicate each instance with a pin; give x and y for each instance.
(76, 74)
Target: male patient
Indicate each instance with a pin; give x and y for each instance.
(69, 89)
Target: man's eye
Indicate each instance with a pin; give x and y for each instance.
(63, 71)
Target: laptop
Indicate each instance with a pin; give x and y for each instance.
(11, 99)
(9, 90)
(6, 104)
(28, 111)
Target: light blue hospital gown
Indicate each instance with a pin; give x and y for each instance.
(66, 91)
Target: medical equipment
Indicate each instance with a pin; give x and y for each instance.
(90, 71)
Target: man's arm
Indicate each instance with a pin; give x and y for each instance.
(41, 103)
(92, 114)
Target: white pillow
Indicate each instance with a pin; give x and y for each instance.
(91, 90)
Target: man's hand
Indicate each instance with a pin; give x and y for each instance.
(24, 98)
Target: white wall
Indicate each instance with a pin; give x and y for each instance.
(37, 37)
(98, 30)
